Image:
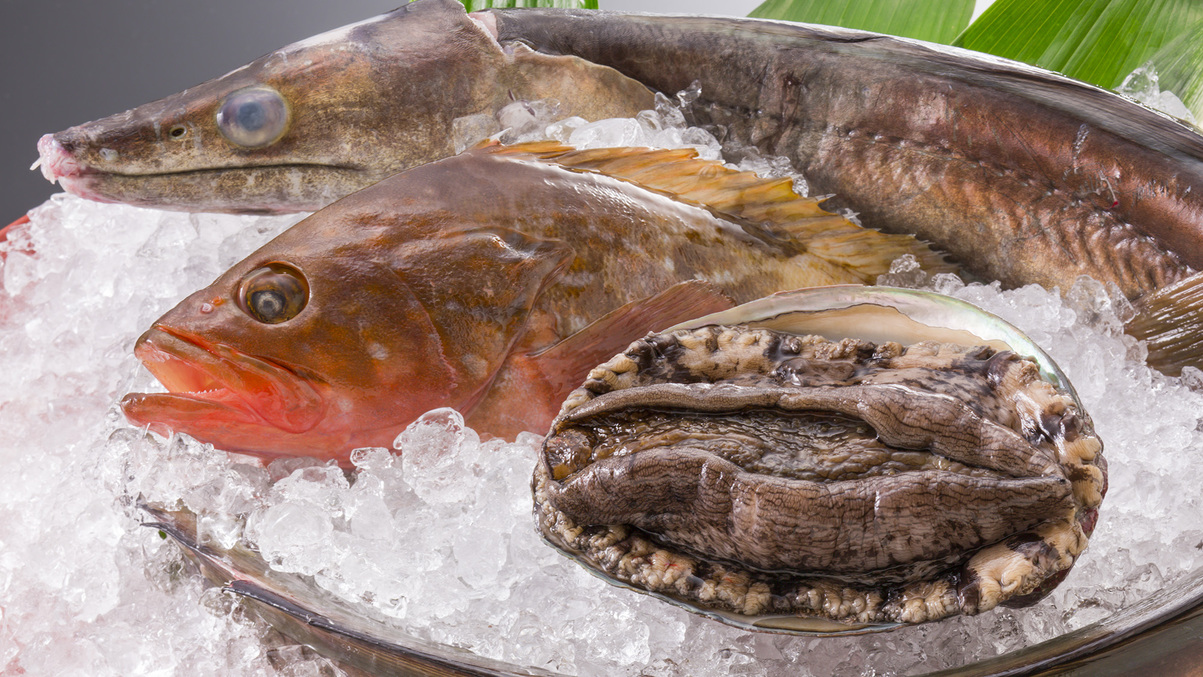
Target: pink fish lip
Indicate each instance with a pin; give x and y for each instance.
(56, 162)
(58, 165)
(212, 384)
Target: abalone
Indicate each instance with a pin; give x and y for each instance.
(788, 465)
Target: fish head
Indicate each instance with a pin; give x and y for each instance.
(297, 128)
(344, 329)
(265, 361)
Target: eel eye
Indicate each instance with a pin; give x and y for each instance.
(274, 293)
(253, 117)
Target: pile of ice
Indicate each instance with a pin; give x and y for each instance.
(663, 127)
(437, 536)
(84, 590)
(1143, 85)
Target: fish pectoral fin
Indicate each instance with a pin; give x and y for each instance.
(1170, 321)
(566, 363)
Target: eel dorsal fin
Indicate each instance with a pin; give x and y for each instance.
(767, 204)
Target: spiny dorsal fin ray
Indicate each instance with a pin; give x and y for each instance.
(1170, 321)
(771, 204)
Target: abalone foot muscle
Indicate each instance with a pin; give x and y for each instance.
(761, 475)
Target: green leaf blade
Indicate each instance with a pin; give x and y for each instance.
(1179, 67)
(919, 19)
(1097, 41)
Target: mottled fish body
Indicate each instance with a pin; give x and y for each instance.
(306, 124)
(490, 282)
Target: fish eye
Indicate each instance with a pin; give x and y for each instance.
(274, 293)
(253, 117)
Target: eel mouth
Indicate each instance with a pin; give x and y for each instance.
(273, 187)
(217, 393)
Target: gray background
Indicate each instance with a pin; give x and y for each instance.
(64, 62)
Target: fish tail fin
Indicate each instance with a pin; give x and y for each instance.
(771, 206)
(1170, 322)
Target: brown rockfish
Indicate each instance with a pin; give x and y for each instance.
(491, 282)
(1020, 174)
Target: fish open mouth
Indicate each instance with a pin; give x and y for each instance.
(215, 390)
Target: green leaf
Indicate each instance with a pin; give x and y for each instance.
(1097, 41)
(920, 19)
(1179, 68)
(477, 5)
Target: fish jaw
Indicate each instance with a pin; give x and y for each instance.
(86, 162)
(54, 160)
(221, 395)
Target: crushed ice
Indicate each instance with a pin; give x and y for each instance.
(437, 534)
(1143, 86)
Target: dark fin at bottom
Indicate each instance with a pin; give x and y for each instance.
(1170, 321)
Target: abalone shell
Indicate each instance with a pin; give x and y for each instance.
(790, 481)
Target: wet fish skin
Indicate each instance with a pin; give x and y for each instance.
(490, 282)
(364, 102)
(1021, 175)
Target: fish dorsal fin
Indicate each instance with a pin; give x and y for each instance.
(1170, 321)
(768, 204)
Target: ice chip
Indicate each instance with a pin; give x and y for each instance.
(1143, 85)
(1192, 378)
(19, 271)
(905, 271)
(947, 283)
(1097, 304)
(368, 458)
(434, 455)
(371, 519)
(562, 130)
(520, 119)
(612, 133)
(292, 535)
(321, 486)
(469, 130)
(670, 111)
